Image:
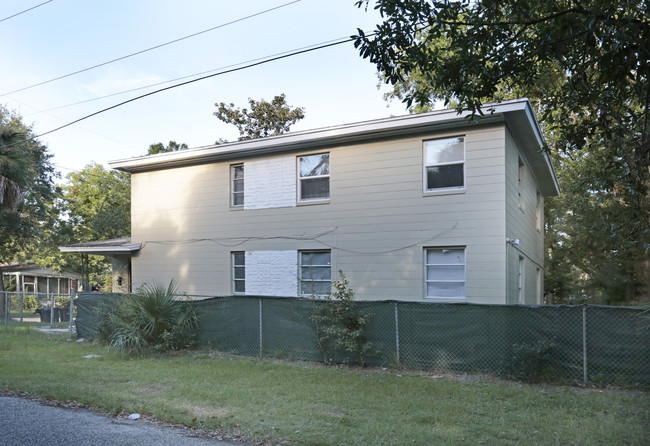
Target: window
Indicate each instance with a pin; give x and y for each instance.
(315, 273)
(238, 272)
(314, 177)
(540, 283)
(520, 281)
(444, 164)
(520, 183)
(237, 178)
(445, 273)
(539, 212)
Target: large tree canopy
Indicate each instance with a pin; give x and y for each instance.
(586, 66)
(99, 203)
(263, 119)
(27, 191)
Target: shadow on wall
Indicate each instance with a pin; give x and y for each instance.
(173, 214)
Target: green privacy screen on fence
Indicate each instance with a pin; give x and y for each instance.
(608, 345)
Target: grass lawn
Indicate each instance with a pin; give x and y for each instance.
(309, 404)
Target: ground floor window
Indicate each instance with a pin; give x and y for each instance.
(444, 273)
(238, 272)
(315, 272)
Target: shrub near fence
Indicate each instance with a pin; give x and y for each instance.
(598, 344)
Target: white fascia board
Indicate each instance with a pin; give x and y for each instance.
(106, 250)
(313, 138)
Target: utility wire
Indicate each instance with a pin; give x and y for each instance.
(26, 10)
(295, 53)
(151, 48)
(177, 79)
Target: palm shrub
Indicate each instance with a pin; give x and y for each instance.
(150, 319)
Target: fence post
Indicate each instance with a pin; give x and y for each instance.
(22, 300)
(260, 327)
(396, 334)
(71, 311)
(584, 345)
(5, 316)
(51, 310)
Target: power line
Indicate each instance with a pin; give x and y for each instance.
(151, 48)
(295, 53)
(63, 120)
(26, 10)
(177, 79)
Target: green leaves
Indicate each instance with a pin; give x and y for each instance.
(27, 190)
(150, 319)
(341, 325)
(173, 146)
(263, 119)
(98, 203)
(586, 67)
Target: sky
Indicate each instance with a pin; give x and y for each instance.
(334, 85)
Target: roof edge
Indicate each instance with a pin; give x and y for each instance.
(384, 127)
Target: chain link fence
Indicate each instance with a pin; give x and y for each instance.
(574, 344)
(50, 309)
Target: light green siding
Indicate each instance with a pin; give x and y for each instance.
(377, 222)
(521, 224)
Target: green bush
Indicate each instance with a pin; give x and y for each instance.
(150, 319)
(30, 303)
(532, 361)
(340, 326)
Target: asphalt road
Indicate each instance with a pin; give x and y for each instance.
(27, 423)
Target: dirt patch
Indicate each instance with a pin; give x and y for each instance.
(206, 411)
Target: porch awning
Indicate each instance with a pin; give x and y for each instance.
(116, 246)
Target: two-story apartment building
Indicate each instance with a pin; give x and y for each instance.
(426, 207)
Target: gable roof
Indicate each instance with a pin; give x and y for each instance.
(35, 270)
(517, 114)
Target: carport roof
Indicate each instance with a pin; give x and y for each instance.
(114, 246)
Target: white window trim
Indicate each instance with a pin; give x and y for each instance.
(299, 177)
(232, 186)
(539, 212)
(521, 280)
(521, 183)
(443, 190)
(426, 281)
(300, 281)
(232, 272)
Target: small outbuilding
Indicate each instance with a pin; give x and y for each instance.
(31, 278)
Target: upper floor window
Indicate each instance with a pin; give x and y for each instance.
(444, 164)
(444, 273)
(315, 272)
(237, 178)
(521, 175)
(539, 211)
(314, 177)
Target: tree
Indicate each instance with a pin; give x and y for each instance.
(173, 146)
(586, 66)
(263, 119)
(27, 191)
(98, 204)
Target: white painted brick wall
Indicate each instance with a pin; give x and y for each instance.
(270, 183)
(272, 273)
